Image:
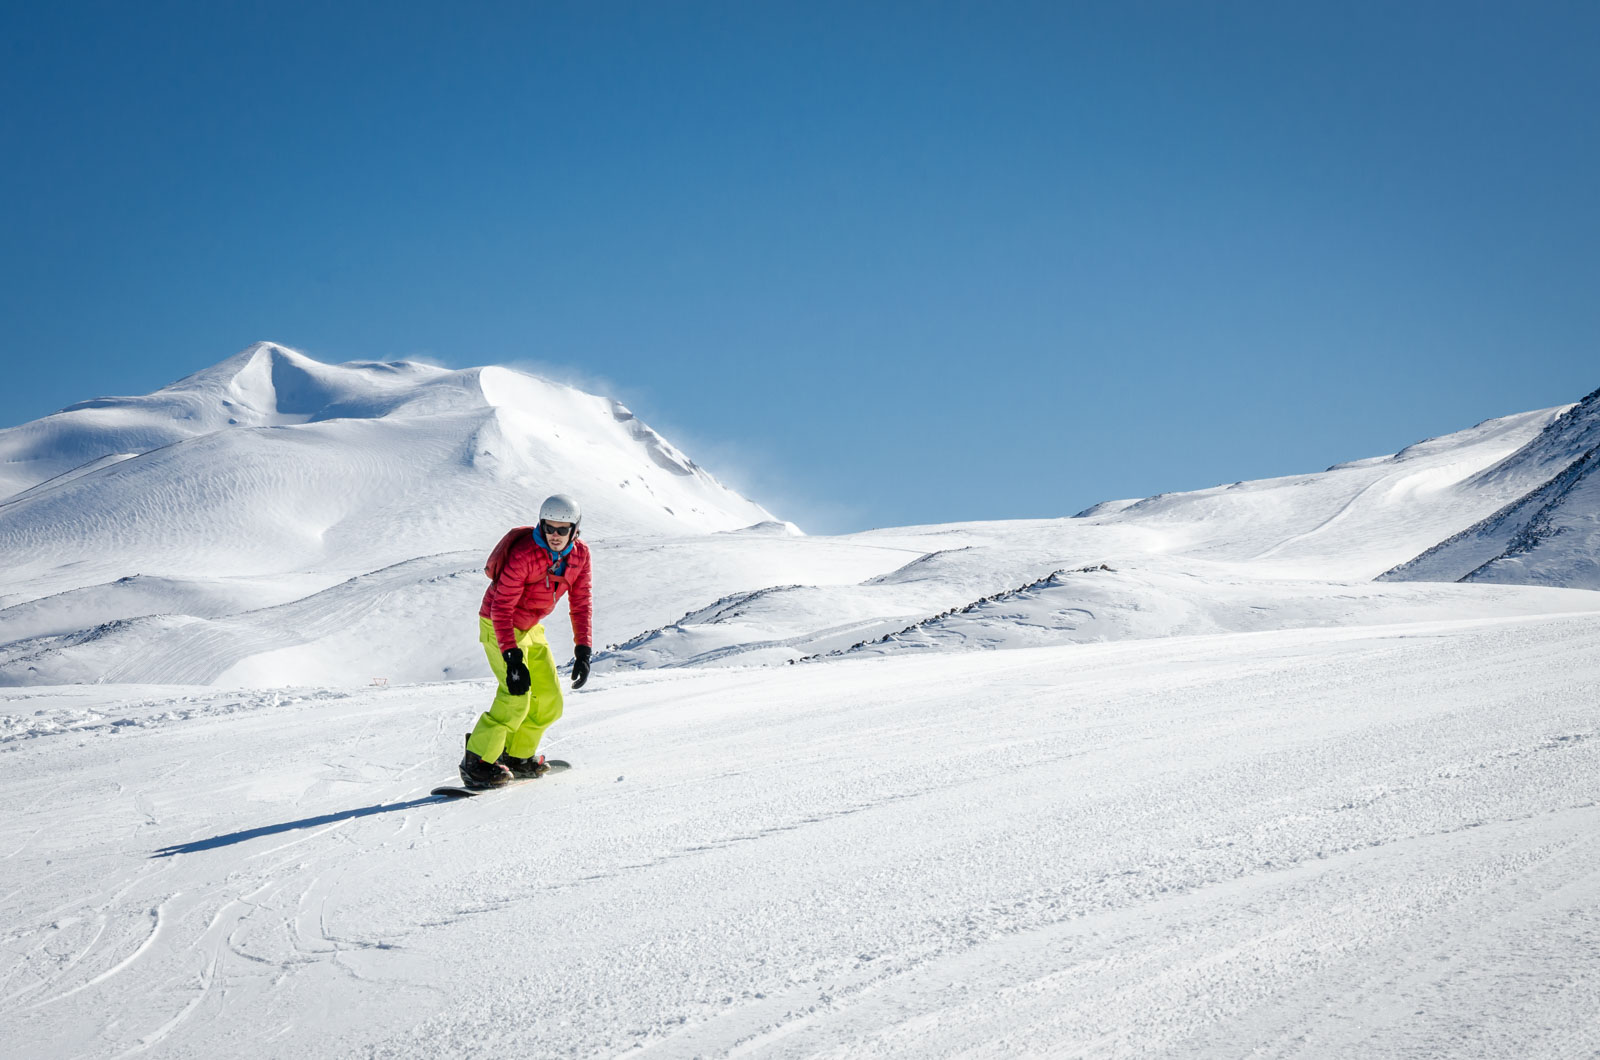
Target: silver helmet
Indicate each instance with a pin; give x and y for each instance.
(560, 508)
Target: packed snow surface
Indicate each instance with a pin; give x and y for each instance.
(1175, 777)
(1377, 842)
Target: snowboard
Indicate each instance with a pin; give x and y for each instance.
(456, 791)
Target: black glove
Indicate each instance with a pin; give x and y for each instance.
(517, 679)
(580, 664)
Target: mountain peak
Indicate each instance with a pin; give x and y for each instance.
(368, 463)
(274, 384)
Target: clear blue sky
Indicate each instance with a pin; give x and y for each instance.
(876, 263)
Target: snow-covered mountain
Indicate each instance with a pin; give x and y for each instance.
(272, 501)
(1355, 520)
(317, 524)
(1297, 551)
(272, 464)
(1548, 536)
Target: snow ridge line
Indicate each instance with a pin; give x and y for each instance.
(1569, 421)
(88, 467)
(895, 575)
(1538, 527)
(1049, 581)
(31, 649)
(1540, 500)
(714, 612)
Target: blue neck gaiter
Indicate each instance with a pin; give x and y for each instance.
(558, 560)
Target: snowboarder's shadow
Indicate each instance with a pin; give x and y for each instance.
(231, 838)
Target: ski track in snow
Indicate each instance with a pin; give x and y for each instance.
(1342, 842)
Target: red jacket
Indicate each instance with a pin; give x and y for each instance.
(526, 591)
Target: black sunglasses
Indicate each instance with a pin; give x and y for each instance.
(560, 530)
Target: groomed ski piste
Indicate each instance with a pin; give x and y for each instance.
(1174, 778)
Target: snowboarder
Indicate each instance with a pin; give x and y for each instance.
(530, 570)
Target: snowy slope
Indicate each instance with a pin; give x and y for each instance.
(1294, 551)
(1024, 587)
(1220, 795)
(368, 597)
(1550, 535)
(265, 385)
(1355, 520)
(1099, 603)
(1374, 842)
(1560, 545)
(411, 621)
(271, 463)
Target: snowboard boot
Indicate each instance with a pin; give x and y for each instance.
(525, 768)
(476, 774)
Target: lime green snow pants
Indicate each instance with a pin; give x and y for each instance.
(515, 724)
